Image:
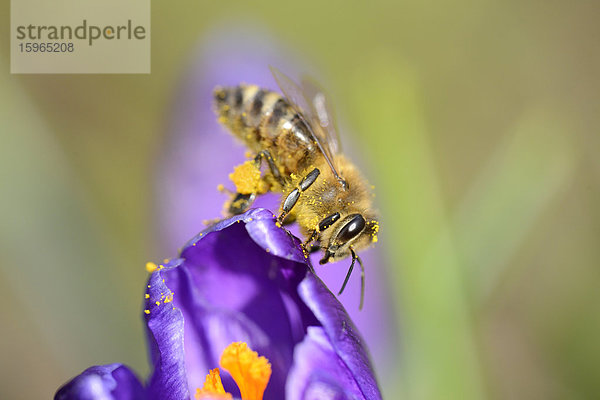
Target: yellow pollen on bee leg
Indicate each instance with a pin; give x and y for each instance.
(246, 177)
(213, 387)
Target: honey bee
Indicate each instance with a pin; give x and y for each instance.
(321, 189)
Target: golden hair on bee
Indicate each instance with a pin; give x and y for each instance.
(293, 135)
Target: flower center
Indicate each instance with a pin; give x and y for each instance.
(249, 371)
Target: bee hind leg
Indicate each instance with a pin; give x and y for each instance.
(241, 202)
(266, 155)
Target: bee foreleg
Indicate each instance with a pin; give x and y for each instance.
(292, 198)
(308, 241)
(314, 248)
(324, 224)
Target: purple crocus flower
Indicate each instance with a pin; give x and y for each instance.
(200, 154)
(243, 279)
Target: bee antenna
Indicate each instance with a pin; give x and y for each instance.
(362, 277)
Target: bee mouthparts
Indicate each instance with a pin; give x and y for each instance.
(326, 257)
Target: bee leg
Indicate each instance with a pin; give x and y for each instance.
(314, 248)
(264, 154)
(292, 198)
(362, 277)
(241, 202)
(307, 246)
(324, 224)
(290, 219)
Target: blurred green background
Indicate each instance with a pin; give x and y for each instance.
(479, 121)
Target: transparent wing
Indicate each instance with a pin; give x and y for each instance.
(321, 108)
(303, 101)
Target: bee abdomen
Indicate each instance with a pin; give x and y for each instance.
(279, 110)
(264, 120)
(246, 105)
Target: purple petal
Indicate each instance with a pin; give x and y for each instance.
(376, 320)
(168, 380)
(319, 373)
(104, 382)
(230, 288)
(343, 335)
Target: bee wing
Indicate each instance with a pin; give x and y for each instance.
(303, 104)
(321, 108)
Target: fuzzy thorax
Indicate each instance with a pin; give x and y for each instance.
(328, 196)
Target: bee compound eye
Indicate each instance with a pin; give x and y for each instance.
(353, 228)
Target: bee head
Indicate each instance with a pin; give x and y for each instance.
(355, 230)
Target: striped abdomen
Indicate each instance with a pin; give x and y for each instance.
(264, 120)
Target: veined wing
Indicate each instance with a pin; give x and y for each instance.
(303, 104)
(325, 117)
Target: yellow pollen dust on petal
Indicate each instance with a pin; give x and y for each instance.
(151, 267)
(213, 387)
(249, 371)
